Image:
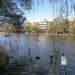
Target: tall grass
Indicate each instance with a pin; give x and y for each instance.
(3, 55)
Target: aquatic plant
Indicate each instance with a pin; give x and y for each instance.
(3, 56)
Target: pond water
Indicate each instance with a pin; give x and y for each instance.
(36, 49)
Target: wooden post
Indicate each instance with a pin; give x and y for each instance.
(65, 69)
(10, 43)
(29, 51)
(5, 42)
(17, 46)
(51, 57)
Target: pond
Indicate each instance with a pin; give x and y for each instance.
(29, 54)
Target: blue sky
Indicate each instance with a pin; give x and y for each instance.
(44, 11)
(41, 12)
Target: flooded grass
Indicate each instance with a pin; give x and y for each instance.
(3, 56)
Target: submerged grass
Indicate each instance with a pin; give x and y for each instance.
(3, 56)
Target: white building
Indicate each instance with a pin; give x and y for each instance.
(42, 26)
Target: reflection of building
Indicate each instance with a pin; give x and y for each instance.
(42, 26)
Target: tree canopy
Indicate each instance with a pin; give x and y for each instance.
(11, 11)
(14, 11)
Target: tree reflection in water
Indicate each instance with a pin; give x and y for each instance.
(37, 61)
(54, 69)
(22, 66)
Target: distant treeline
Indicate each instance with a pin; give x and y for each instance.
(57, 26)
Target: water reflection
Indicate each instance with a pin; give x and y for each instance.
(30, 54)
